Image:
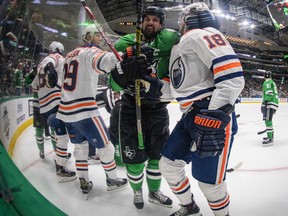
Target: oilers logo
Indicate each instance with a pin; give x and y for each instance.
(177, 73)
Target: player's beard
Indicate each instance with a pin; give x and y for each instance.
(150, 33)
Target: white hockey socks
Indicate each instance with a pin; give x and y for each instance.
(81, 159)
(106, 155)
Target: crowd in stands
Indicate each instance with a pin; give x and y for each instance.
(21, 48)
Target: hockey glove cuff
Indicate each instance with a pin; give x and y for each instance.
(144, 50)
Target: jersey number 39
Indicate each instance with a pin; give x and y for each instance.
(70, 76)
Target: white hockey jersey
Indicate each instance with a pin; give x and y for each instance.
(49, 98)
(82, 68)
(204, 64)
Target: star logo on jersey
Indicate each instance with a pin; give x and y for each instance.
(177, 73)
(129, 153)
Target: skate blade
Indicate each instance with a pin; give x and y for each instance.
(66, 179)
(266, 145)
(86, 196)
(111, 188)
(159, 204)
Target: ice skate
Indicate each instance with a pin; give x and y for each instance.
(63, 174)
(191, 209)
(138, 199)
(94, 159)
(41, 154)
(114, 184)
(159, 199)
(86, 187)
(268, 142)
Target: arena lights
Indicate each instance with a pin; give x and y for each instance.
(240, 40)
(127, 23)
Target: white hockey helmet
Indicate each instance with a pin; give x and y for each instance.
(197, 15)
(87, 32)
(56, 46)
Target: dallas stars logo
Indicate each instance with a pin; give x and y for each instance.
(129, 153)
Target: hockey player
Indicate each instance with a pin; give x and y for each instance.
(269, 106)
(79, 110)
(156, 44)
(206, 77)
(39, 120)
(48, 87)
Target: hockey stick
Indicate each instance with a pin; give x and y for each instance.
(236, 167)
(261, 132)
(139, 5)
(237, 116)
(100, 29)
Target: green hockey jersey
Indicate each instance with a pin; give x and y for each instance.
(162, 45)
(270, 94)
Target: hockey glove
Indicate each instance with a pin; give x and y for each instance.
(104, 98)
(33, 72)
(51, 76)
(129, 70)
(210, 132)
(145, 50)
(152, 85)
(264, 109)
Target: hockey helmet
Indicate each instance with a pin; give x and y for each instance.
(56, 47)
(267, 74)
(156, 11)
(197, 15)
(88, 31)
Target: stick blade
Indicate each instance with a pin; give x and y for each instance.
(236, 167)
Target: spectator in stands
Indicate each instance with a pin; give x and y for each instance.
(18, 79)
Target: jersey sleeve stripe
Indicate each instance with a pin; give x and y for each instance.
(68, 108)
(52, 96)
(197, 94)
(77, 100)
(224, 58)
(50, 102)
(226, 67)
(229, 76)
(49, 93)
(77, 111)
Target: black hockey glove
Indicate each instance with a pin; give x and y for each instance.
(152, 85)
(104, 98)
(145, 50)
(264, 109)
(51, 75)
(129, 70)
(33, 72)
(210, 132)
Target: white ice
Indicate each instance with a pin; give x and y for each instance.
(258, 188)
